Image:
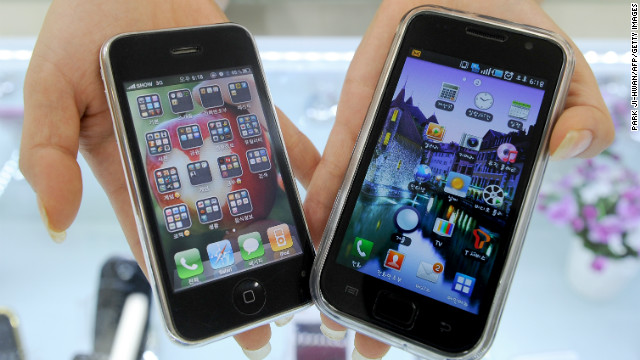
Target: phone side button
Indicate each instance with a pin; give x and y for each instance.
(395, 310)
(249, 296)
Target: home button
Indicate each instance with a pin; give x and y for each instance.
(393, 309)
(249, 296)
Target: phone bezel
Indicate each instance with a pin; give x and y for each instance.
(188, 314)
(356, 311)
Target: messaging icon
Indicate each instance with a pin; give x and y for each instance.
(429, 272)
(250, 245)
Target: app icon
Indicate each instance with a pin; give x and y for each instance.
(463, 284)
(475, 67)
(394, 260)
(211, 96)
(249, 126)
(209, 210)
(483, 100)
(181, 101)
(481, 238)
(406, 219)
(190, 136)
(229, 166)
(258, 160)
(416, 53)
(361, 248)
(507, 153)
(158, 142)
(177, 217)
(449, 92)
(188, 263)
(470, 142)
(519, 110)
(220, 131)
(239, 202)
(220, 254)
(199, 172)
(279, 237)
(429, 272)
(493, 195)
(239, 92)
(435, 132)
(457, 184)
(167, 179)
(149, 106)
(443, 227)
(251, 245)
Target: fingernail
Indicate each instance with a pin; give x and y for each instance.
(355, 355)
(574, 144)
(258, 354)
(336, 335)
(282, 321)
(57, 236)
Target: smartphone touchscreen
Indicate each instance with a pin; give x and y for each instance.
(442, 181)
(219, 202)
(433, 207)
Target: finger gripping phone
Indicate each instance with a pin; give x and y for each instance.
(213, 194)
(424, 237)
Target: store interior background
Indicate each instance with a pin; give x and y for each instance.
(52, 288)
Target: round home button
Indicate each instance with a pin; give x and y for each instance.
(249, 296)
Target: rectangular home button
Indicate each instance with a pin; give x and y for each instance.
(395, 310)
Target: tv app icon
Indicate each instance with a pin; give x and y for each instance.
(443, 227)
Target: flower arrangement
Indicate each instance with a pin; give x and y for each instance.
(600, 202)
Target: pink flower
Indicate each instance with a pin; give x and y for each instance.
(590, 212)
(577, 224)
(628, 207)
(599, 263)
(605, 229)
(563, 211)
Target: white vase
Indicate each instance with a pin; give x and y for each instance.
(599, 283)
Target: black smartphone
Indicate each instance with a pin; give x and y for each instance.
(213, 193)
(426, 231)
(10, 347)
(119, 279)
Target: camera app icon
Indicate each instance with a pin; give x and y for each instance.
(470, 142)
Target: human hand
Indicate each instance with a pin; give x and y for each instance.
(584, 129)
(66, 112)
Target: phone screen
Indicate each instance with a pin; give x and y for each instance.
(219, 202)
(433, 210)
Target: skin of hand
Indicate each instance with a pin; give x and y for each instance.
(66, 112)
(584, 129)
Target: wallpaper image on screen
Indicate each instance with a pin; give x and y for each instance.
(212, 174)
(442, 179)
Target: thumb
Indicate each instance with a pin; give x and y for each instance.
(49, 147)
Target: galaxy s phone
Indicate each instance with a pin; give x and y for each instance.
(426, 231)
(212, 190)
